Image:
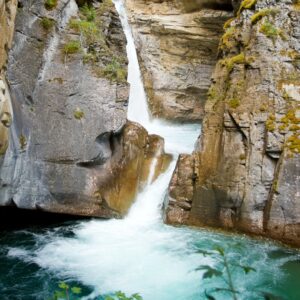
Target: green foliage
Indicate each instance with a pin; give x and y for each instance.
(47, 23)
(262, 13)
(246, 4)
(78, 114)
(89, 12)
(114, 71)
(225, 272)
(228, 38)
(50, 4)
(67, 292)
(71, 47)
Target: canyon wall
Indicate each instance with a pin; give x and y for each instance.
(177, 45)
(71, 149)
(245, 171)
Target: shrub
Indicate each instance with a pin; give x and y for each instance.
(71, 47)
(47, 23)
(89, 12)
(50, 4)
(114, 71)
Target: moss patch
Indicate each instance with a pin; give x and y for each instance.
(22, 141)
(262, 13)
(50, 4)
(78, 114)
(231, 61)
(269, 30)
(47, 23)
(234, 103)
(246, 4)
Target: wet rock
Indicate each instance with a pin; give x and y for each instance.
(71, 149)
(177, 45)
(247, 159)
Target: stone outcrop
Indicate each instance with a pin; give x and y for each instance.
(177, 45)
(244, 173)
(71, 149)
(7, 21)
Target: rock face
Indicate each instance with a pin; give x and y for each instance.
(7, 21)
(71, 149)
(244, 173)
(177, 45)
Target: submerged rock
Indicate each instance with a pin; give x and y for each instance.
(247, 162)
(71, 149)
(177, 45)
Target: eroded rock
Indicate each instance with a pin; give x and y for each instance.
(177, 45)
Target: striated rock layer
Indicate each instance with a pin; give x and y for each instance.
(245, 171)
(71, 149)
(177, 45)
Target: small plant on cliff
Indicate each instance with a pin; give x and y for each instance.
(22, 141)
(114, 71)
(78, 114)
(50, 4)
(47, 23)
(71, 47)
(269, 30)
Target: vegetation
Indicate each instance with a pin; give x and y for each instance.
(92, 39)
(270, 123)
(246, 4)
(293, 143)
(22, 141)
(234, 102)
(269, 30)
(78, 114)
(113, 71)
(50, 4)
(47, 23)
(231, 61)
(67, 292)
(262, 13)
(71, 47)
(224, 271)
(228, 38)
(296, 5)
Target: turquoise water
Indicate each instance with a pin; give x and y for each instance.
(35, 260)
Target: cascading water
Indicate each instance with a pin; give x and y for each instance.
(140, 254)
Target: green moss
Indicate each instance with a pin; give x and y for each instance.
(270, 123)
(231, 61)
(246, 4)
(22, 141)
(47, 23)
(71, 47)
(262, 13)
(212, 92)
(78, 114)
(228, 38)
(50, 4)
(269, 30)
(293, 143)
(227, 24)
(242, 156)
(234, 103)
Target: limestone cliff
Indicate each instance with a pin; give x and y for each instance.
(177, 45)
(71, 149)
(244, 173)
(7, 22)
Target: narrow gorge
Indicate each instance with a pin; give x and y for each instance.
(140, 140)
